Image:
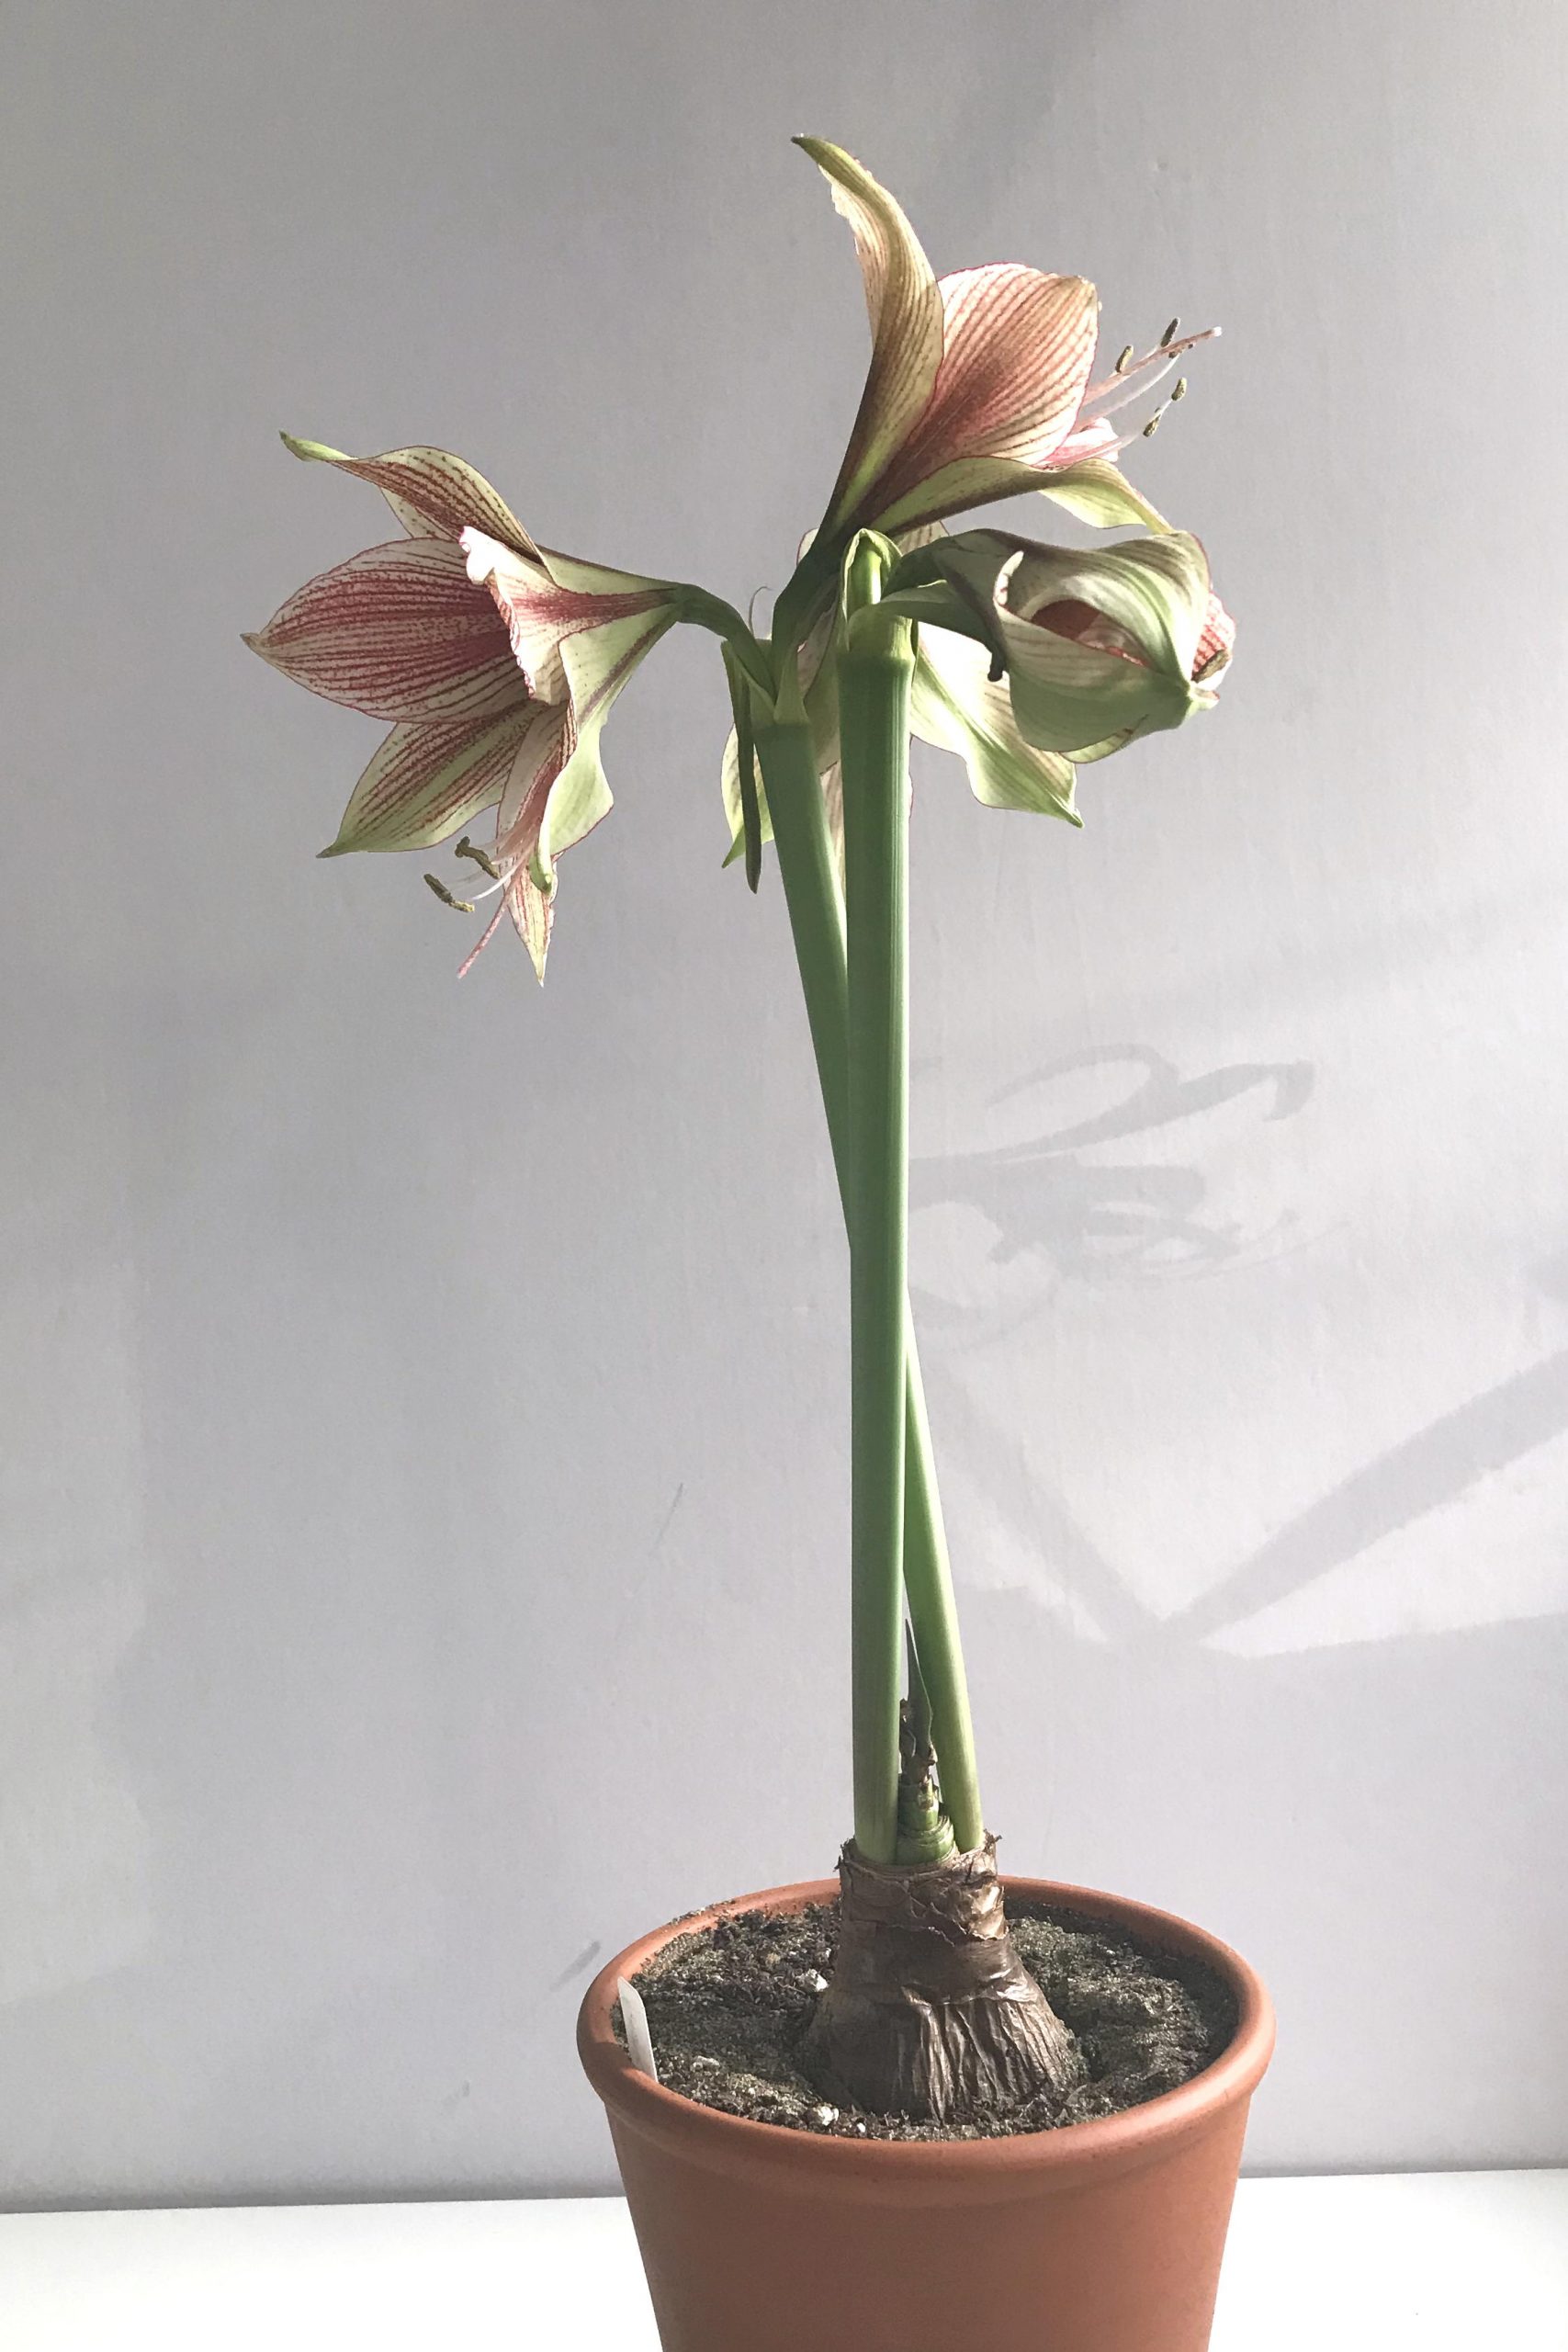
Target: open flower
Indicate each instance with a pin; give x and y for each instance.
(497, 660)
(979, 382)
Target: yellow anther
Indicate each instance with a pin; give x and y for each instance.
(463, 906)
(486, 865)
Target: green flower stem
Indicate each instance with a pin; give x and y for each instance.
(873, 715)
(811, 895)
(934, 1610)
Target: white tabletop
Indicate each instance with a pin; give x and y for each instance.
(1432, 2262)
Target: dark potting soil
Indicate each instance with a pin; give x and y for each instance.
(726, 2007)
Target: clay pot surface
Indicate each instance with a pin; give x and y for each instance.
(1103, 2236)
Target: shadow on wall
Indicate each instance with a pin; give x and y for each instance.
(1346, 1806)
(1049, 1213)
(1117, 1222)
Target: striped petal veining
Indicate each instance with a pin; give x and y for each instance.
(400, 632)
(1018, 346)
(431, 491)
(904, 304)
(428, 779)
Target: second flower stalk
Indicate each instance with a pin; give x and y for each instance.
(876, 669)
(857, 1002)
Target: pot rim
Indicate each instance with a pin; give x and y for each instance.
(1063, 2157)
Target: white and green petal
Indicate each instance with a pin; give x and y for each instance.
(1103, 642)
(399, 632)
(906, 308)
(431, 493)
(555, 796)
(734, 812)
(1154, 590)
(428, 780)
(958, 706)
(528, 882)
(1098, 492)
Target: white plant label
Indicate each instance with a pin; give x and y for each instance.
(640, 2042)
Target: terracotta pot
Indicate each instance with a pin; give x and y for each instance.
(1102, 2238)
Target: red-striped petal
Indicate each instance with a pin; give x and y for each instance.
(1216, 642)
(1018, 346)
(906, 323)
(428, 780)
(400, 632)
(430, 491)
(542, 615)
(554, 798)
(538, 757)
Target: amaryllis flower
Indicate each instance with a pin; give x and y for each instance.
(979, 382)
(1104, 645)
(1032, 659)
(497, 660)
(956, 705)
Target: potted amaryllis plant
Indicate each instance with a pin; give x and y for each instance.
(941, 2160)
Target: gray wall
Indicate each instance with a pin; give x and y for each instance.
(423, 1465)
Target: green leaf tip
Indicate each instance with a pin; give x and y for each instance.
(821, 151)
(307, 450)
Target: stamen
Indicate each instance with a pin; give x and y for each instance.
(1121, 382)
(1123, 441)
(1125, 361)
(486, 865)
(1168, 337)
(1178, 389)
(1152, 427)
(463, 906)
